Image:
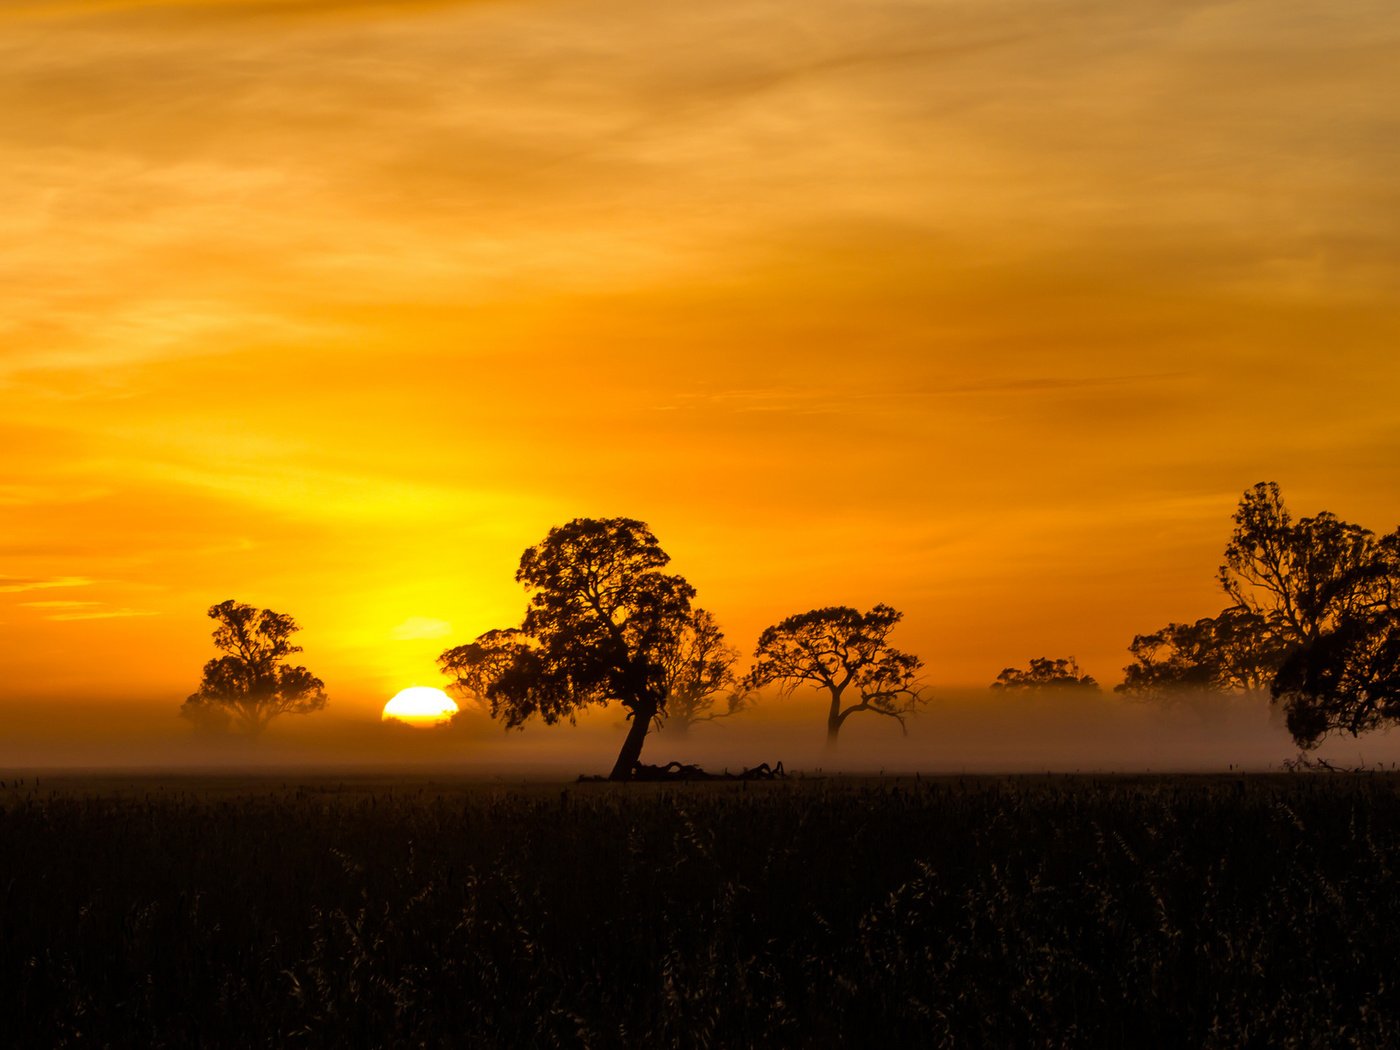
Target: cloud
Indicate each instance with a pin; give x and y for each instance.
(416, 627)
(220, 10)
(1050, 384)
(143, 331)
(16, 585)
(106, 614)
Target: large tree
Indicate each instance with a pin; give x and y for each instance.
(1314, 620)
(699, 673)
(252, 683)
(846, 653)
(602, 616)
(1045, 673)
(1347, 679)
(1325, 591)
(1302, 578)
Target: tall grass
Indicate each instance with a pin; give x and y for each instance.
(980, 912)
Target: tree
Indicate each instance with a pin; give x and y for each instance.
(601, 618)
(840, 650)
(1232, 652)
(1045, 673)
(1347, 679)
(1325, 590)
(1314, 619)
(252, 683)
(475, 667)
(1301, 578)
(699, 668)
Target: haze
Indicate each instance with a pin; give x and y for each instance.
(986, 310)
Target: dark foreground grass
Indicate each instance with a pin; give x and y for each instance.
(978, 912)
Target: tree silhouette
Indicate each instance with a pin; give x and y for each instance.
(252, 683)
(699, 669)
(1346, 681)
(1301, 578)
(1348, 678)
(1325, 590)
(601, 618)
(1232, 652)
(1314, 619)
(1045, 673)
(475, 667)
(840, 650)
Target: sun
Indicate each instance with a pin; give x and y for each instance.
(419, 705)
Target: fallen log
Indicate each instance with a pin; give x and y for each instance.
(678, 771)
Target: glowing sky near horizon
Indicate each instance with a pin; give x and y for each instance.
(989, 310)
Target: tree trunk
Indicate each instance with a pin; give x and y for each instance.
(833, 721)
(642, 715)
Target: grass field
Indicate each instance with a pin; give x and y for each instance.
(1031, 911)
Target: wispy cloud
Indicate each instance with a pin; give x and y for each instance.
(144, 331)
(1052, 384)
(17, 585)
(420, 627)
(105, 614)
(222, 10)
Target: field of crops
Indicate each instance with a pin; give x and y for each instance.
(1079, 911)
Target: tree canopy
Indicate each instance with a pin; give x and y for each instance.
(699, 673)
(1045, 673)
(1347, 679)
(842, 651)
(1231, 652)
(1302, 578)
(252, 683)
(602, 615)
(477, 666)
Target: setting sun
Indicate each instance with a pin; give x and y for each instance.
(420, 705)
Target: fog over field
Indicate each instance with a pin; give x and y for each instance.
(959, 730)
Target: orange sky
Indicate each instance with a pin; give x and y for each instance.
(989, 310)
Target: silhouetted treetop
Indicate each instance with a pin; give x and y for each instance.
(1234, 651)
(1045, 673)
(837, 649)
(252, 683)
(601, 617)
(1302, 577)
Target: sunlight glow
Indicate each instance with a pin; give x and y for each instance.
(420, 705)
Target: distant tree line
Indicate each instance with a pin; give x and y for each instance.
(1045, 673)
(1313, 618)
